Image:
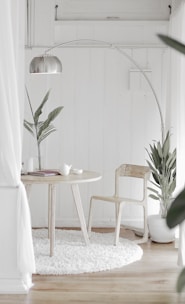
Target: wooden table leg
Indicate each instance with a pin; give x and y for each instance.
(49, 209)
(78, 203)
(51, 216)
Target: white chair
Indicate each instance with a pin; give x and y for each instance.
(130, 171)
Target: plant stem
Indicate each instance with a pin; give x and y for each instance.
(36, 131)
(39, 156)
(29, 103)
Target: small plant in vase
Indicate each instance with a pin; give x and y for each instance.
(40, 129)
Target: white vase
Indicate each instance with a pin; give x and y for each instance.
(159, 231)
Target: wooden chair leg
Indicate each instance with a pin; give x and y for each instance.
(116, 210)
(145, 235)
(144, 239)
(118, 222)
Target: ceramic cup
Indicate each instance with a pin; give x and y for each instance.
(65, 169)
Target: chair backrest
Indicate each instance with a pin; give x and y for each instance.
(133, 171)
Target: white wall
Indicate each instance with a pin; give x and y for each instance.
(104, 123)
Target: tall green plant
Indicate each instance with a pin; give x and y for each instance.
(163, 168)
(40, 129)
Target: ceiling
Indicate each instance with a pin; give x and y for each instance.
(112, 9)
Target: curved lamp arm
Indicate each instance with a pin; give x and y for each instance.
(48, 64)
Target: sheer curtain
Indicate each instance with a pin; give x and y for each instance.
(177, 105)
(11, 108)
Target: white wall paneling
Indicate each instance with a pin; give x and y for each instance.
(119, 32)
(103, 123)
(39, 22)
(113, 9)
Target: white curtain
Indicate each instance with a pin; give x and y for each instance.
(12, 35)
(177, 105)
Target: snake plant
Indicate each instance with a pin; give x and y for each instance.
(40, 129)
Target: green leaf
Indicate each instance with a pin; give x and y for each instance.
(171, 162)
(174, 173)
(152, 189)
(181, 281)
(176, 212)
(154, 172)
(156, 177)
(29, 101)
(156, 185)
(151, 166)
(166, 146)
(50, 129)
(29, 126)
(157, 156)
(178, 46)
(172, 186)
(154, 197)
(38, 112)
(52, 115)
(159, 150)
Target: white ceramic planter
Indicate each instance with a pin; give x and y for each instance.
(159, 231)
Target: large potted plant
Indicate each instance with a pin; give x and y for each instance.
(162, 163)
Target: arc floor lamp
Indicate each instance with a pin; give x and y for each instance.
(49, 64)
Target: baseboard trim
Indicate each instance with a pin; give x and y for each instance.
(135, 223)
(13, 286)
(99, 223)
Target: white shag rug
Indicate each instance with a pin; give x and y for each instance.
(72, 256)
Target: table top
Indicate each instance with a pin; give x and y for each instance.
(85, 177)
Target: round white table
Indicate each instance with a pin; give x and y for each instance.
(74, 180)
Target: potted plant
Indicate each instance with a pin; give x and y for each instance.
(162, 163)
(40, 129)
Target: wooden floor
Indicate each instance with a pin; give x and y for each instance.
(151, 280)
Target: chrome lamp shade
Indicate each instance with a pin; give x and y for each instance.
(45, 64)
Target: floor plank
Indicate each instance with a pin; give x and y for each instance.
(151, 280)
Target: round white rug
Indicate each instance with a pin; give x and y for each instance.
(72, 256)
